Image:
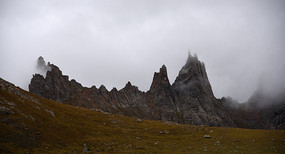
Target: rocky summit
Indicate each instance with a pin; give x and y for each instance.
(188, 100)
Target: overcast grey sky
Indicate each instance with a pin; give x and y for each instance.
(111, 42)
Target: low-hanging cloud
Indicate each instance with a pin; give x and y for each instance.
(112, 42)
(42, 67)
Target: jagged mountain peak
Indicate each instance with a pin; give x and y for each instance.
(189, 100)
(192, 78)
(130, 87)
(54, 71)
(194, 65)
(129, 84)
(160, 79)
(102, 87)
(42, 67)
(163, 69)
(41, 61)
(191, 57)
(114, 89)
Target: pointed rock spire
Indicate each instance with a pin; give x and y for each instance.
(129, 84)
(41, 62)
(130, 87)
(160, 79)
(42, 67)
(192, 78)
(103, 88)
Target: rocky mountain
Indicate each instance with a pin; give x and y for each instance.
(189, 99)
(196, 98)
(32, 124)
(261, 111)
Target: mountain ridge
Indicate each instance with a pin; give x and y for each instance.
(188, 100)
(32, 124)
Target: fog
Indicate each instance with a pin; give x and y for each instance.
(112, 42)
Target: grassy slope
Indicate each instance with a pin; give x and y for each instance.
(32, 129)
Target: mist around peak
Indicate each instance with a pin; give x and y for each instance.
(237, 40)
(270, 91)
(42, 67)
(192, 78)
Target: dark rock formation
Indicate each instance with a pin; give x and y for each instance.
(260, 112)
(192, 80)
(164, 98)
(54, 86)
(270, 109)
(197, 101)
(189, 100)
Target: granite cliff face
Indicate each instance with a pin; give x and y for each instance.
(189, 99)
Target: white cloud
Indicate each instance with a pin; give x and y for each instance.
(111, 42)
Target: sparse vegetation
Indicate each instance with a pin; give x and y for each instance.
(28, 127)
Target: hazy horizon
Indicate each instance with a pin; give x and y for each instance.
(113, 42)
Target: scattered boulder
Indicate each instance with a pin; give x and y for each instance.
(51, 112)
(86, 149)
(5, 111)
(113, 122)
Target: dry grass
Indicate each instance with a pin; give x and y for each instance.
(31, 128)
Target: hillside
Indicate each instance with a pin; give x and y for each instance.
(33, 124)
